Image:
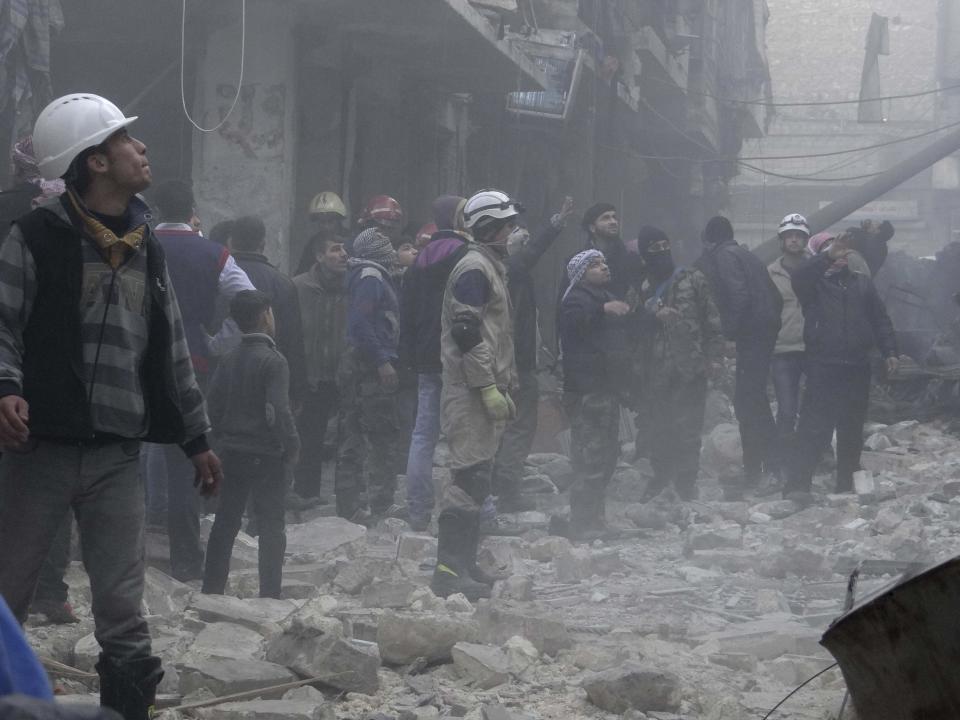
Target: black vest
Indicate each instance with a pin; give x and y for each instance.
(53, 378)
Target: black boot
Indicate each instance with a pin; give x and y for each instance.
(457, 535)
(129, 686)
(471, 556)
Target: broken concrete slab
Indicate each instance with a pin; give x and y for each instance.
(259, 614)
(226, 677)
(345, 664)
(227, 641)
(713, 537)
(501, 621)
(635, 687)
(577, 563)
(549, 548)
(391, 594)
(764, 639)
(405, 636)
(416, 547)
(356, 574)
(325, 537)
(484, 666)
(865, 486)
(269, 710)
(163, 595)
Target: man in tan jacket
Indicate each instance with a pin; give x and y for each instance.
(479, 371)
(787, 365)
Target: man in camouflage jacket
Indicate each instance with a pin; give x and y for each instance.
(683, 343)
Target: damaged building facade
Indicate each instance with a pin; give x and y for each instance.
(542, 98)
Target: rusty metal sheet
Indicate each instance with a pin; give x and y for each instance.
(899, 649)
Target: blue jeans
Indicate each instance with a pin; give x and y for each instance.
(426, 433)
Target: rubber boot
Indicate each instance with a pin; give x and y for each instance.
(455, 543)
(129, 686)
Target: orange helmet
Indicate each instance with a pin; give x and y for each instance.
(382, 209)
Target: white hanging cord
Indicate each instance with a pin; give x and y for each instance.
(243, 48)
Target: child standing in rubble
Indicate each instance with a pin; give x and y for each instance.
(249, 405)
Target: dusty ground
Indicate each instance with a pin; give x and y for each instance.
(714, 611)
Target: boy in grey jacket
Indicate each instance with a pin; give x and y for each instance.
(249, 407)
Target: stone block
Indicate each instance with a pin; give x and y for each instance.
(521, 654)
(226, 677)
(647, 517)
(776, 509)
(578, 564)
(791, 670)
(163, 595)
(713, 537)
(483, 666)
(560, 472)
(226, 641)
(865, 486)
(404, 637)
(325, 537)
(731, 561)
(741, 662)
(499, 622)
(549, 548)
(515, 587)
(259, 614)
(597, 658)
(388, 594)
(268, 710)
(417, 547)
(634, 687)
(763, 639)
(360, 572)
(349, 665)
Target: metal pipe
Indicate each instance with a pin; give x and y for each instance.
(836, 211)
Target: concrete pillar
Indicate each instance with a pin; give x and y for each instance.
(247, 166)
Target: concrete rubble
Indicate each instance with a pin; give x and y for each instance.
(711, 610)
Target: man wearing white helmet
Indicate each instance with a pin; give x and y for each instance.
(786, 367)
(476, 347)
(93, 360)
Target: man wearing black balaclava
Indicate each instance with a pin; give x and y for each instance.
(682, 344)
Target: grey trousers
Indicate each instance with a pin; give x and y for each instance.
(102, 484)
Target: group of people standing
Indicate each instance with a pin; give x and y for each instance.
(116, 332)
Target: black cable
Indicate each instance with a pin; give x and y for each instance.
(811, 103)
(808, 178)
(798, 689)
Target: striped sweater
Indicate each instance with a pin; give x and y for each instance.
(113, 313)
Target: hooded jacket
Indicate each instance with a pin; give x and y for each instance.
(373, 314)
(749, 303)
(422, 301)
(844, 317)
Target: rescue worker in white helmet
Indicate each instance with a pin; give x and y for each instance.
(479, 371)
(93, 361)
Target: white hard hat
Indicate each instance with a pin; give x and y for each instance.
(794, 221)
(486, 206)
(71, 124)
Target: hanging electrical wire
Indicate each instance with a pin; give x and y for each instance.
(808, 178)
(808, 103)
(243, 49)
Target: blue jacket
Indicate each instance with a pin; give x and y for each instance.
(20, 671)
(373, 314)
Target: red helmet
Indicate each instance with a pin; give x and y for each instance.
(382, 208)
(424, 234)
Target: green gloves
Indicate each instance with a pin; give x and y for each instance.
(499, 406)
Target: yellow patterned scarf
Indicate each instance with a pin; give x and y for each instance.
(114, 247)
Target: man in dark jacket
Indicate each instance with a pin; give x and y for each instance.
(595, 370)
(202, 273)
(248, 241)
(523, 254)
(85, 297)
(750, 308)
(420, 308)
(844, 319)
(370, 415)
